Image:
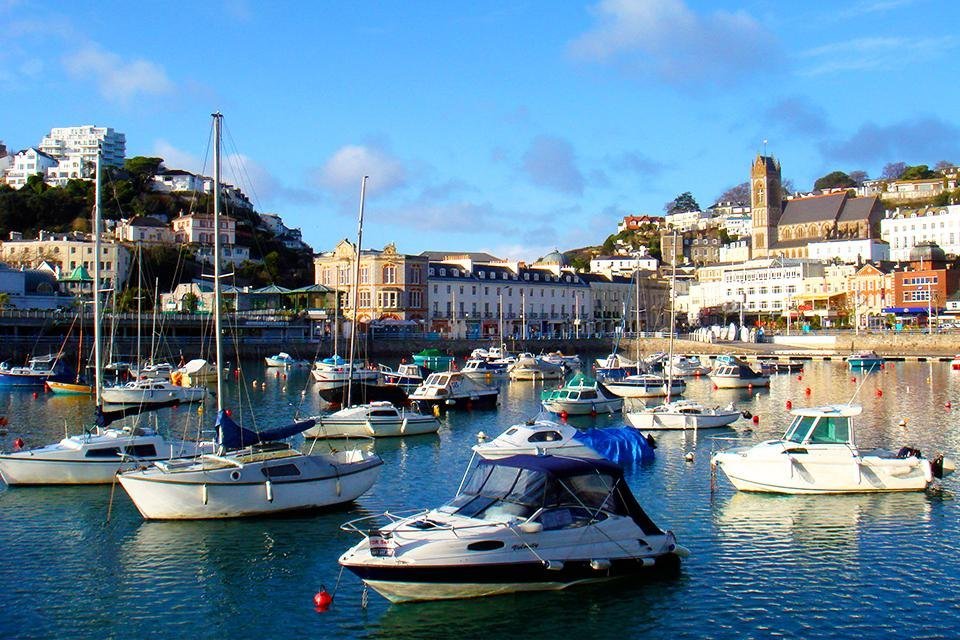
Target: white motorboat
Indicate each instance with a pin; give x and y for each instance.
(521, 523)
(284, 359)
(530, 367)
(407, 376)
(818, 454)
(681, 414)
(93, 458)
(484, 369)
(737, 375)
(451, 389)
(686, 366)
(615, 361)
(252, 473)
(334, 373)
(646, 385)
(581, 395)
(152, 391)
(557, 357)
(375, 419)
(622, 445)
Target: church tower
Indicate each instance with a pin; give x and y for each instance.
(766, 204)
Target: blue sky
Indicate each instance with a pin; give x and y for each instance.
(511, 127)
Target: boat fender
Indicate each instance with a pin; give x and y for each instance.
(746, 415)
(553, 565)
(651, 441)
(269, 487)
(602, 564)
(936, 466)
(203, 492)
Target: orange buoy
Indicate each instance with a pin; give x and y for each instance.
(807, 391)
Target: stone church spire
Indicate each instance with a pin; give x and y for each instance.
(766, 199)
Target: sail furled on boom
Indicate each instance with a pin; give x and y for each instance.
(233, 436)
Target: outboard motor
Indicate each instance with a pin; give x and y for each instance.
(941, 466)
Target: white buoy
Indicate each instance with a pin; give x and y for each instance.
(481, 435)
(688, 457)
(902, 423)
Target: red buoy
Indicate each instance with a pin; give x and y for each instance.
(853, 379)
(564, 415)
(276, 374)
(756, 419)
(35, 396)
(229, 412)
(789, 404)
(18, 444)
(322, 600)
(947, 404)
(799, 377)
(715, 387)
(879, 392)
(807, 391)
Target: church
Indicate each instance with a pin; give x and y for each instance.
(784, 227)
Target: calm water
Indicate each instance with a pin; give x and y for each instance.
(762, 566)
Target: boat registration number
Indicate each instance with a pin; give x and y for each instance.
(380, 547)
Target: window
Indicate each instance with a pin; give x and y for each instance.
(281, 470)
(390, 274)
(415, 274)
(363, 299)
(389, 299)
(416, 299)
(364, 275)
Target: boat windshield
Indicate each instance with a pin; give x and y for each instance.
(819, 430)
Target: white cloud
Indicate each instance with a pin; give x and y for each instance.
(343, 171)
(877, 53)
(681, 46)
(118, 79)
(174, 158)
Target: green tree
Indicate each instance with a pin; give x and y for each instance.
(834, 180)
(917, 172)
(682, 203)
(189, 302)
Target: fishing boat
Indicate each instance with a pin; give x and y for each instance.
(96, 455)
(451, 389)
(865, 360)
(530, 367)
(484, 369)
(38, 370)
(645, 385)
(737, 375)
(284, 359)
(818, 453)
(622, 445)
(407, 376)
(687, 366)
(681, 414)
(253, 473)
(433, 359)
(581, 395)
(519, 523)
(334, 373)
(790, 366)
(152, 391)
(374, 419)
(557, 357)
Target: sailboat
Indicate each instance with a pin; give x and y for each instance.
(95, 456)
(252, 473)
(78, 386)
(679, 414)
(376, 418)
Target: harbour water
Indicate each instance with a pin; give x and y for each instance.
(872, 566)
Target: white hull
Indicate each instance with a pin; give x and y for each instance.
(122, 395)
(640, 391)
(24, 471)
(412, 425)
(234, 492)
(536, 374)
(679, 421)
(583, 408)
(724, 382)
(836, 471)
(400, 592)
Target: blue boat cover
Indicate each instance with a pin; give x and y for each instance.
(233, 436)
(336, 361)
(623, 445)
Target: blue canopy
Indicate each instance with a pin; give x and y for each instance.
(623, 445)
(557, 466)
(334, 360)
(233, 436)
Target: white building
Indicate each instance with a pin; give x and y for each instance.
(27, 163)
(686, 220)
(850, 251)
(623, 265)
(75, 149)
(905, 228)
(737, 225)
(738, 251)
(66, 252)
(177, 180)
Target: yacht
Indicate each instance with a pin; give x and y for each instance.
(433, 359)
(737, 375)
(530, 367)
(646, 385)
(819, 454)
(681, 414)
(334, 373)
(374, 419)
(156, 370)
(451, 389)
(865, 360)
(582, 395)
(38, 370)
(686, 366)
(484, 369)
(557, 357)
(520, 523)
(152, 391)
(407, 376)
(284, 359)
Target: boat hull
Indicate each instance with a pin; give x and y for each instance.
(34, 472)
(679, 421)
(583, 408)
(536, 374)
(449, 582)
(724, 382)
(69, 388)
(408, 426)
(205, 495)
(626, 390)
(119, 395)
(839, 472)
(442, 404)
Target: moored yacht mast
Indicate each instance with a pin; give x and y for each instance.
(356, 293)
(97, 355)
(673, 318)
(217, 320)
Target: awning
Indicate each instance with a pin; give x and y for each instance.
(815, 297)
(913, 311)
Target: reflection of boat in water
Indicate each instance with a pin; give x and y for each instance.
(817, 520)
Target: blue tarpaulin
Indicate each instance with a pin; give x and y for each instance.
(623, 445)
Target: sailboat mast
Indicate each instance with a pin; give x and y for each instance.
(153, 327)
(636, 322)
(139, 299)
(503, 343)
(217, 320)
(97, 356)
(356, 292)
(673, 318)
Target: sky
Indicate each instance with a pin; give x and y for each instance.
(507, 127)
